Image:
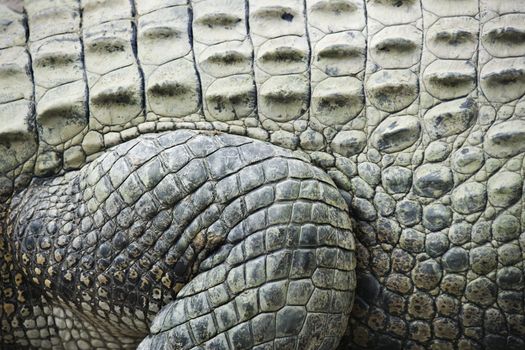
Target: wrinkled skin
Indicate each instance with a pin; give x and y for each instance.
(262, 174)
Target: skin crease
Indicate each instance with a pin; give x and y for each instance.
(262, 175)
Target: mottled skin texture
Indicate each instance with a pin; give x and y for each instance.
(240, 220)
(262, 174)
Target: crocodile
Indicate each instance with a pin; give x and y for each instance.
(241, 174)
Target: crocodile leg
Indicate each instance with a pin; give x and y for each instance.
(258, 239)
(279, 288)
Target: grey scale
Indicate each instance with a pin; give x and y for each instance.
(262, 174)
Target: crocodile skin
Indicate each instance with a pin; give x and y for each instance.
(233, 174)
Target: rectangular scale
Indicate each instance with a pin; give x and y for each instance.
(282, 68)
(56, 50)
(337, 33)
(17, 135)
(223, 53)
(114, 74)
(172, 87)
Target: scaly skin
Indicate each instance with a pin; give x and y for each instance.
(259, 239)
(120, 226)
